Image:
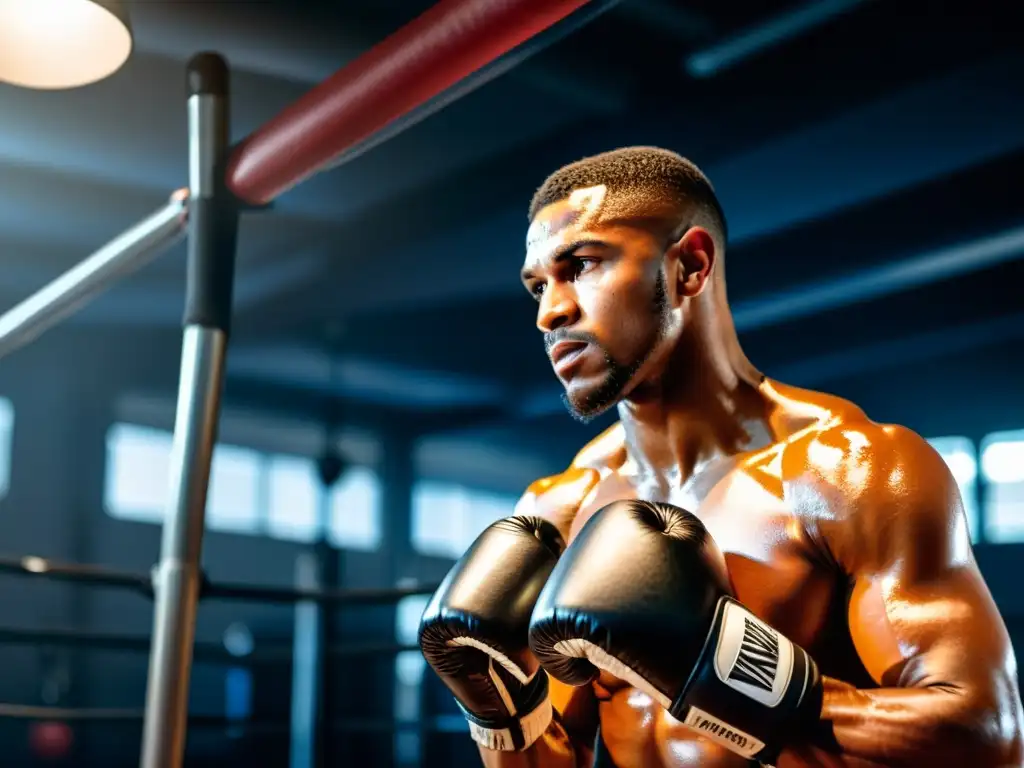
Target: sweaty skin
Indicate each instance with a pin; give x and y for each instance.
(849, 537)
(846, 535)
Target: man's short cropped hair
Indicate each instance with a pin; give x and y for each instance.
(639, 175)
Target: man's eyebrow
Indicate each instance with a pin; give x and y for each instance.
(564, 252)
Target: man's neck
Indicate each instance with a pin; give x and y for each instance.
(706, 404)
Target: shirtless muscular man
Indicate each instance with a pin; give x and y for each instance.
(820, 607)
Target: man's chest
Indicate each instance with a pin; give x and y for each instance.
(774, 566)
(775, 569)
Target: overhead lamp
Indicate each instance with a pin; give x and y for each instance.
(52, 44)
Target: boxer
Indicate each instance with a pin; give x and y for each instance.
(838, 540)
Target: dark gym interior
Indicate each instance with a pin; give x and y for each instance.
(868, 156)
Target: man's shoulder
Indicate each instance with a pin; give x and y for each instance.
(857, 456)
(833, 443)
(867, 485)
(558, 497)
(606, 451)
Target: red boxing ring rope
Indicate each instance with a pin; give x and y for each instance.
(425, 57)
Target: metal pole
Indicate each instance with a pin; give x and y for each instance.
(74, 289)
(212, 239)
(307, 667)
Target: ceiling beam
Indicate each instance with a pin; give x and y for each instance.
(262, 38)
(894, 143)
(665, 17)
(895, 276)
(764, 35)
(904, 351)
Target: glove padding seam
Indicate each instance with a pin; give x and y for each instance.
(507, 663)
(578, 648)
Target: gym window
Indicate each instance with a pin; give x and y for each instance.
(6, 438)
(250, 492)
(446, 517)
(137, 470)
(1002, 469)
(233, 499)
(350, 526)
(409, 665)
(293, 498)
(962, 459)
(409, 669)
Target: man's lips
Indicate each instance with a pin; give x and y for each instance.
(565, 353)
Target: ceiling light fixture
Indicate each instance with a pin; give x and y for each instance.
(53, 44)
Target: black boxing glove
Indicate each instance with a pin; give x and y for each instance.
(474, 632)
(643, 594)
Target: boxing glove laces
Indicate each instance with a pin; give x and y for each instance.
(643, 594)
(474, 632)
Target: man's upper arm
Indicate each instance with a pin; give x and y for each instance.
(920, 612)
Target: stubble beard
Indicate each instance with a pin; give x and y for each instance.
(608, 393)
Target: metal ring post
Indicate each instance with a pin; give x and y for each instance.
(213, 227)
(68, 293)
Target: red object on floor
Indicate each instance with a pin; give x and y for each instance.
(50, 739)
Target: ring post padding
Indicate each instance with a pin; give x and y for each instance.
(448, 42)
(213, 226)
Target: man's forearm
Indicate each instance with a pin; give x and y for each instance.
(554, 749)
(933, 726)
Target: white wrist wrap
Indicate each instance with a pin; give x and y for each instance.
(532, 725)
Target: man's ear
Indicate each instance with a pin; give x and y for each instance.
(690, 260)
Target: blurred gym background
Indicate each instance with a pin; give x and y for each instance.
(869, 158)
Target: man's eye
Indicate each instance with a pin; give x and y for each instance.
(537, 290)
(582, 264)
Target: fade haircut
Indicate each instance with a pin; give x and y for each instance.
(648, 181)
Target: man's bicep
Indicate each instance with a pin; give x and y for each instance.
(943, 631)
(920, 612)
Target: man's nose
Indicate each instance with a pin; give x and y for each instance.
(558, 308)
